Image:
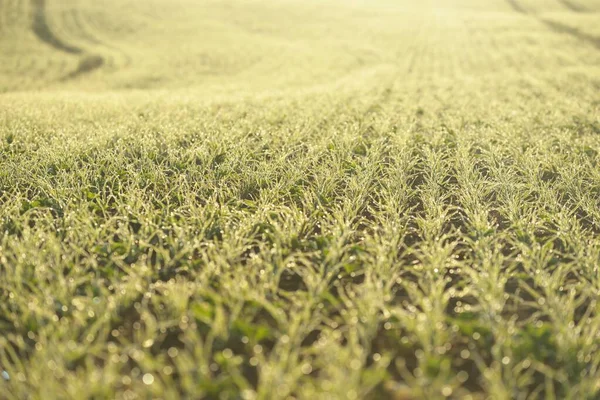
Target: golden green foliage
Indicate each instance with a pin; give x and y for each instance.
(299, 199)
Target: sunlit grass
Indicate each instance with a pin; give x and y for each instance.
(396, 201)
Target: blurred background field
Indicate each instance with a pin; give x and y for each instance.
(266, 46)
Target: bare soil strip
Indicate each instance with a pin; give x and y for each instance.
(42, 30)
(582, 36)
(573, 7)
(557, 26)
(517, 7)
(87, 63)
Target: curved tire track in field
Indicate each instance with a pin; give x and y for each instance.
(562, 28)
(87, 62)
(42, 30)
(83, 25)
(572, 6)
(558, 26)
(517, 7)
(86, 65)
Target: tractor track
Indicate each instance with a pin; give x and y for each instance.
(44, 33)
(559, 27)
(87, 62)
(569, 30)
(517, 7)
(573, 7)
